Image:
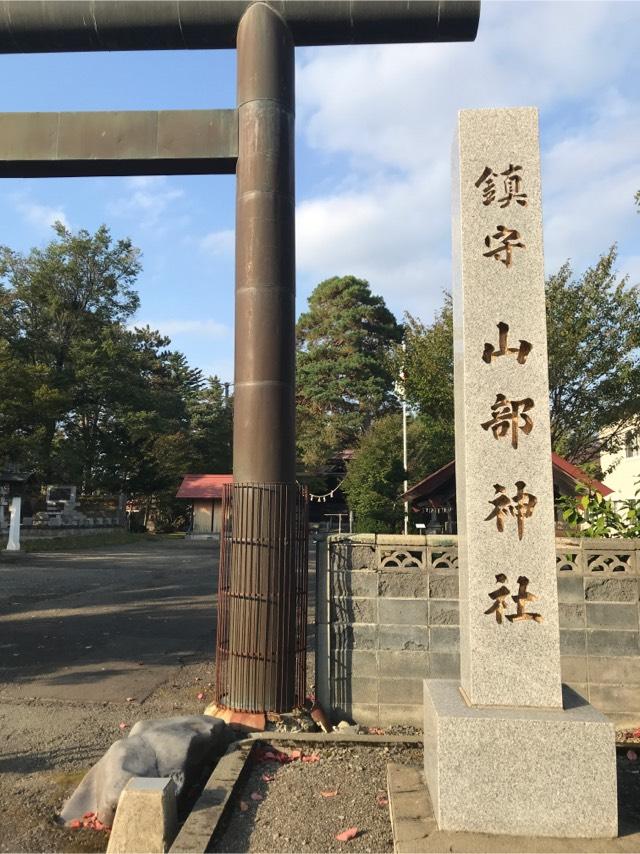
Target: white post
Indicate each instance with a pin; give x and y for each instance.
(13, 544)
(404, 441)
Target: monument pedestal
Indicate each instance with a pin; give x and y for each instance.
(519, 771)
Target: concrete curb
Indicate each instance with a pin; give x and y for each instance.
(336, 738)
(410, 809)
(197, 831)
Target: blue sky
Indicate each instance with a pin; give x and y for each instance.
(374, 131)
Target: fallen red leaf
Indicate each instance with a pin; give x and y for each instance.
(123, 725)
(268, 754)
(244, 806)
(346, 835)
(274, 756)
(295, 754)
(382, 800)
(256, 796)
(313, 757)
(268, 778)
(200, 696)
(329, 793)
(376, 730)
(76, 823)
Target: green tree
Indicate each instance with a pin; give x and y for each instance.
(588, 513)
(593, 329)
(211, 416)
(86, 399)
(344, 370)
(53, 301)
(427, 366)
(375, 476)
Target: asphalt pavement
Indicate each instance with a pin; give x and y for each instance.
(105, 624)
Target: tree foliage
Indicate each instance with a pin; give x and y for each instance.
(87, 399)
(344, 370)
(428, 372)
(593, 329)
(589, 514)
(375, 476)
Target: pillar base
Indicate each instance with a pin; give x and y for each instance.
(519, 771)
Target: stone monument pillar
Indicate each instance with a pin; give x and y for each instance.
(509, 750)
(13, 544)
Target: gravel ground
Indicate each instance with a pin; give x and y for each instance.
(79, 633)
(46, 748)
(293, 816)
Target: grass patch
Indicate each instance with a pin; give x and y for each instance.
(68, 780)
(80, 543)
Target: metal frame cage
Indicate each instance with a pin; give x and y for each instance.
(262, 597)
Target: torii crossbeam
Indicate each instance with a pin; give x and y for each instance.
(256, 140)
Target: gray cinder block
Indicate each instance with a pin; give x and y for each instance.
(403, 612)
(598, 589)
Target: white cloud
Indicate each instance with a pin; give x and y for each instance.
(391, 110)
(40, 216)
(206, 328)
(148, 199)
(218, 242)
(221, 368)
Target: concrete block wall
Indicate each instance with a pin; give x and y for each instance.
(387, 617)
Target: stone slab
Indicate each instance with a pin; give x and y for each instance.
(415, 830)
(519, 770)
(412, 819)
(146, 819)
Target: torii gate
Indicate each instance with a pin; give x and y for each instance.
(256, 140)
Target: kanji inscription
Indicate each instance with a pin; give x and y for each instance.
(490, 352)
(510, 416)
(521, 599)
(520, 506)
(511, 182)
(507, 240)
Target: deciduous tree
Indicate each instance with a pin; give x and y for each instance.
(593, 331)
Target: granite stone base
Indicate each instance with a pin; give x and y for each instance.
(519, 771)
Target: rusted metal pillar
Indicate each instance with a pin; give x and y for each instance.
(261, 631)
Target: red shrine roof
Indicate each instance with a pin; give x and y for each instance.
(434, 482)
(203, 485)
(577, 474)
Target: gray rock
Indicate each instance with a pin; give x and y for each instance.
(167, 747)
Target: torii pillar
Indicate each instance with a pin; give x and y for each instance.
(257, 139)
